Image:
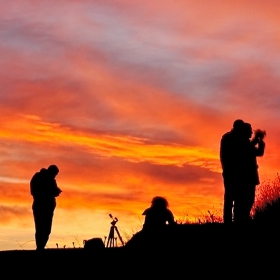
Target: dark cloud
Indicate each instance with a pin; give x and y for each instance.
(13, 212)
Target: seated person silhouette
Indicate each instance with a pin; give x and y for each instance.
(155, 229)
(158, 215)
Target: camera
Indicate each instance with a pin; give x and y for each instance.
(260, 134)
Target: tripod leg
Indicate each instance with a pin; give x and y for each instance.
(108, 240)
(110, 236)
(119, 235)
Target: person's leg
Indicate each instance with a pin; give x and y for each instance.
(43, 216)
(245, 197)
(250, 199)
(240, 204)
(39, 229)
(238, 210)
(228, 204)
(48, 225)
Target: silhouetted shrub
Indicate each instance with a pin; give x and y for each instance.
(267, 202)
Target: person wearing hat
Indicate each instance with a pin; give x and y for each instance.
(44, 189)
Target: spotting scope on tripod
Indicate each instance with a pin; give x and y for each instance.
(112, 240)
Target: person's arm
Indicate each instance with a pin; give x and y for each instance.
(258, 140)
(260, 149)
(222, 153)
(34, 185)
(57, 190)
(146, 221)
(171, 220)
(226, 151)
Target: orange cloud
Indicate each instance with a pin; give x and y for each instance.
(32, 129)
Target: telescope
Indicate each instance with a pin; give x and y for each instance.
(112, 240)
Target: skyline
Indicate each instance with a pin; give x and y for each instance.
(129, 100)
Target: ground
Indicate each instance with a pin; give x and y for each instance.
(197, 250)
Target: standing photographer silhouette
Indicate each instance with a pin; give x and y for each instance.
(240, 170)
(44, 190)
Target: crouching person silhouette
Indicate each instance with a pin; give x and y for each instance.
(158, 215)
(44, 190)
(155, 229)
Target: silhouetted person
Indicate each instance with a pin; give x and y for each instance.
(245, 196)
(158, 215)
(231, 148)
(44, 190)
(155, 230)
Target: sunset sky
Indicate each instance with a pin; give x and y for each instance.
(130, 100)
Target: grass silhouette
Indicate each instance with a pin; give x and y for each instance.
(267, 204)
(211, 216)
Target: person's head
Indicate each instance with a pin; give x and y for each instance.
(159, 202)
(238, 125)
(247, 130)
(53, 170)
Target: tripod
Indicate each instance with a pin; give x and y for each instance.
(112, 240)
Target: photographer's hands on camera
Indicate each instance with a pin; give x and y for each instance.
(259, 135)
